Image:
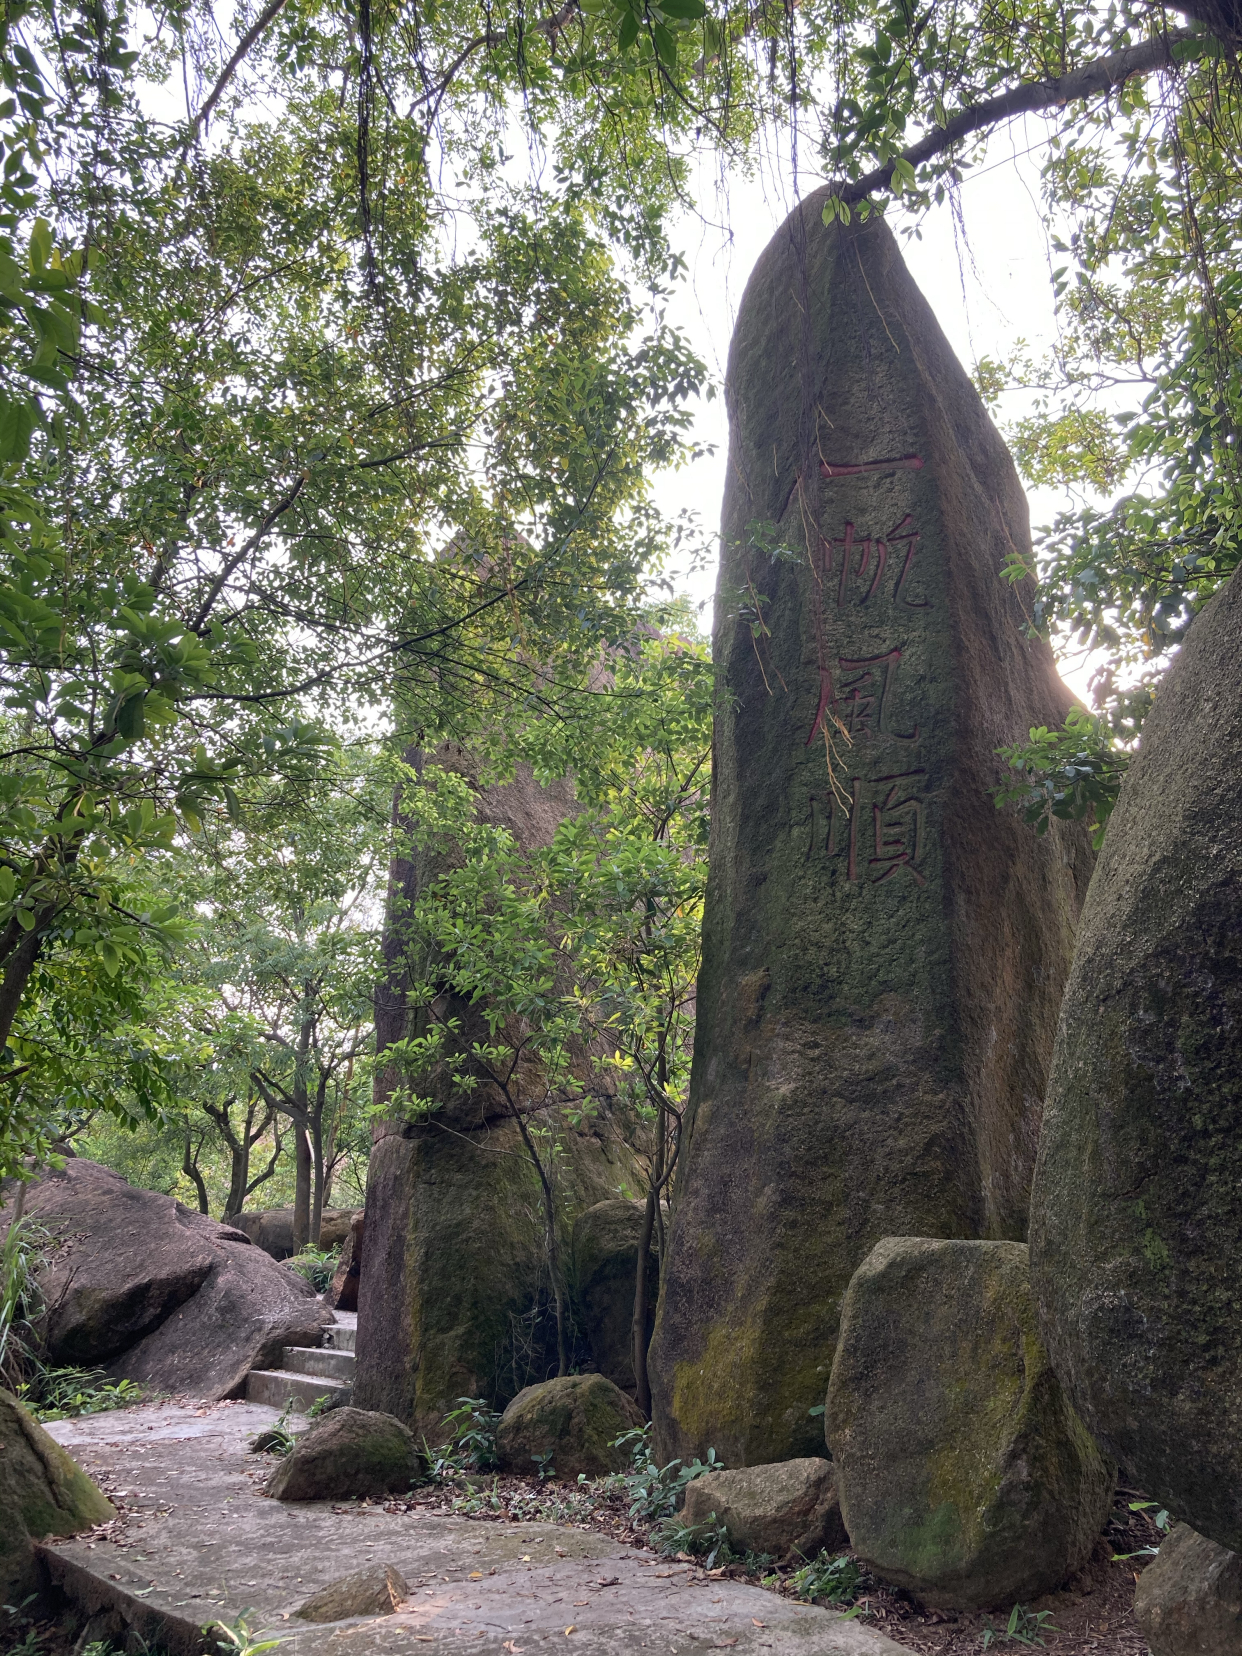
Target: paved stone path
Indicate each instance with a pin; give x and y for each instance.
(199, 1542)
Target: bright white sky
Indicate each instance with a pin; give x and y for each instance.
(987, 293)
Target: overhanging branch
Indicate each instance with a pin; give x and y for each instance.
(1092, 80)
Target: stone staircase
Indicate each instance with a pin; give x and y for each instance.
(308, 1373)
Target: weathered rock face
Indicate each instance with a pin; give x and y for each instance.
(42, 1492)
(343, 1289)
(574, 1420)
(374, 1592)
(1137, 1215)
(157, 1293)
(963, 1473)
(125, 1259)
(1189, 1598)
(454, 1301)
(606, 1240)
(247, 1310)
(884, 952)
(345, 1455)
(789, 1511)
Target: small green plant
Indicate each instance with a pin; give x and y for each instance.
(29, 1645)
(1025, 1627)
(64, 1393)
(21, 1255)
(709, 1540)
(471, 1443)
(1161, 1521)
(838, 1580)
(655, 1491)
(239, 1638)
(322, 1406)
(544, 1466)
(317, 1265)
(276, 1439)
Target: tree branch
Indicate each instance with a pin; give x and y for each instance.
(1092, 80)
(267, 16)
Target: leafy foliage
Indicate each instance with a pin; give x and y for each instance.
(65, 1393)
(317, 1265)
(471, 1442)
(1025, 1627)
(1070, 774)
(656, 1492)
(837, 1580)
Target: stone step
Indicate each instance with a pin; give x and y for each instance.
(340, 1336)
(276, 1387)
(321, 1360)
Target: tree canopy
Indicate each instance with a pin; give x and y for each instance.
(335, 366)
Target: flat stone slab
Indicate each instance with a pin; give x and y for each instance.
(199, 1542)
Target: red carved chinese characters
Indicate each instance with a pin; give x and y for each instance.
(877, 827)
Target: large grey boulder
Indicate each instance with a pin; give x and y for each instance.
(569, 1425)
(884, 952)
(963, 1473)
(246, 1312)
(1136, 1222)
(43, 1491)
(272, 1229)
(606, 1240)
(161, 1295)
(1189, 1598)
(789, 1510)
(121, 1259)
(348, 1454)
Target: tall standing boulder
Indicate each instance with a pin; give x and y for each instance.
(883, 951)
(1136, 1226)
(455, 1297)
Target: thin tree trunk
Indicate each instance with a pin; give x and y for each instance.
(639, 1330)
(262, 1178)
(316, 1123)
(190, 1168)
(302, 1187)
(554, 1267)
(17, 972)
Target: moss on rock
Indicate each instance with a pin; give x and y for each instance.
(883, 951)
(43, 1491)
(963, 1473)
(348, 1454)
(574, 1420)
(1136, 1222)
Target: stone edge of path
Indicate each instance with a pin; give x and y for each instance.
(94, 1585)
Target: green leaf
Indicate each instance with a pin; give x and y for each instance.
(627, 34)
(691, 9)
